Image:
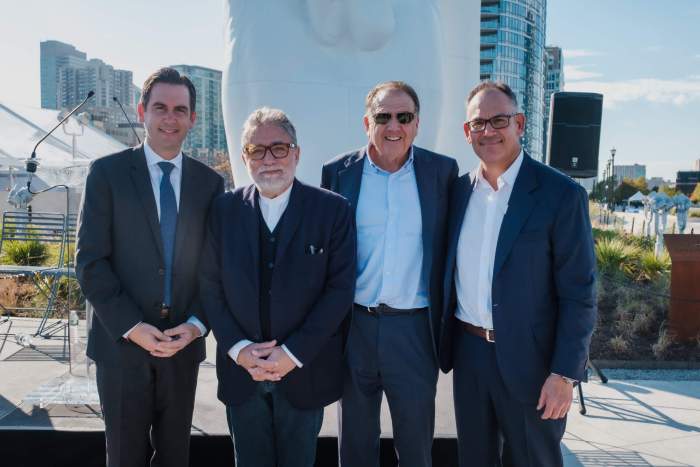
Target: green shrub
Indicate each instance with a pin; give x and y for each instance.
(650, 267)
(619, 344)
(615, 256)
(26, 253)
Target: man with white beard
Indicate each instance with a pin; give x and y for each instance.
(277, 282)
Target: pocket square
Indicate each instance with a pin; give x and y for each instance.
(314, 250)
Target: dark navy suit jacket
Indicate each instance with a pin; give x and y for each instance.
(119, 255)
(434, 175)
(543, 293)
(312, 289)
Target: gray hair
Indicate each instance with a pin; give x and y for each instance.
(267, 116)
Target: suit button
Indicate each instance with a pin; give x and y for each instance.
(270, 265)
(272, 239)
(161, 272)
(256, 337)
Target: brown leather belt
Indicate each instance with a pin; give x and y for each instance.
(488, 334)
(165, 312)
(383, 309)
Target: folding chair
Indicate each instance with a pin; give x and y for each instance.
(45, 228)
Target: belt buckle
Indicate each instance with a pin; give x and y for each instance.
(489, 335)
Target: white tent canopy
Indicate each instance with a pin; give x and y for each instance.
(21, 128)
(638, 197)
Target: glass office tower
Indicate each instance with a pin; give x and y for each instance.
(513, 51)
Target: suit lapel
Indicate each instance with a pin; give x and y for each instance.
(427, 184)
(188, 196)
(144, 190)
(520, 206)
(292, 217)
(251, 225)
(350, 178)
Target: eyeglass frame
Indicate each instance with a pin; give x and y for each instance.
(391, 115)
(267, 148)
(490, 122)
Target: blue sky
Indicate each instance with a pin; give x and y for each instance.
(643, 55)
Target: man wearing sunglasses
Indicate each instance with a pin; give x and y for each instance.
(276, 283)
(399, 193)
(519, 293)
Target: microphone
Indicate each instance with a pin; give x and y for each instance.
(32, 163)
(131, 125)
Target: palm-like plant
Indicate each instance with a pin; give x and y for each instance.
(615, 256)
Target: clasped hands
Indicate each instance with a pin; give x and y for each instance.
(163, 343)
(265, 361)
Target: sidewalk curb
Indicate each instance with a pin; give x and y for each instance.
(646, 365)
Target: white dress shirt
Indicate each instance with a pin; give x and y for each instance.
(476, 249)
(156, 174)
(272, 210)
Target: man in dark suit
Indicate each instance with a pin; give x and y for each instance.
(141, 228)
(277, 282)
(399, 193)
(519, 293)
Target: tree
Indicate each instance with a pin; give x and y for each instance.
(640, 183)
(624, 190)
(695, 195)
(669, 191)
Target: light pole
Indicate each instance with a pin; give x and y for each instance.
(612, 166)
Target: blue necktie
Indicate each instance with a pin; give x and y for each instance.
(168, 224)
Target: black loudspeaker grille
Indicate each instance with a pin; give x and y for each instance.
(574, 133)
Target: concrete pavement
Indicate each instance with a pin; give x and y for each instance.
(629, 422)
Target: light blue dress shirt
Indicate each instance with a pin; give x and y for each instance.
(390, 238)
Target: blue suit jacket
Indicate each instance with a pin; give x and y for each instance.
(543, 294)
(311, 293)
(434, 175)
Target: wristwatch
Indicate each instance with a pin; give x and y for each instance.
(569, 380)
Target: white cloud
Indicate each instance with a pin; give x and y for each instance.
(697, 56)
(578, 53)
(577, 73)
(678, 92)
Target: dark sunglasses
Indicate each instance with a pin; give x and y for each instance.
(403, 118)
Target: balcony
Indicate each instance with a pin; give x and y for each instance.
(489, 24)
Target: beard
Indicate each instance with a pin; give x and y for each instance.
(273, 184)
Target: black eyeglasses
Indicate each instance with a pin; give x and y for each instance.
(256, 152)
(497, 122)
(403, 118)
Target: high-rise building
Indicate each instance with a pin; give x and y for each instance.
(208, 135)
(67, 76)
(686, 181)
(632, 172)
(53, 56)
(696, 165)
(512, 51)
(554, 82)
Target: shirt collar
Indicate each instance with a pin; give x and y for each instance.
(506, 178)
(278, 200)
(152, 158)
(406, 164)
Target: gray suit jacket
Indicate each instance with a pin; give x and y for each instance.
(119, 254)
(434, 175)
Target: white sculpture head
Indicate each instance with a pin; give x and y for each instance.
(317, 59)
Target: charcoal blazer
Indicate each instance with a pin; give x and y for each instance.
(312, 289)
(119, 253)
(434, 175)
(543, 294)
